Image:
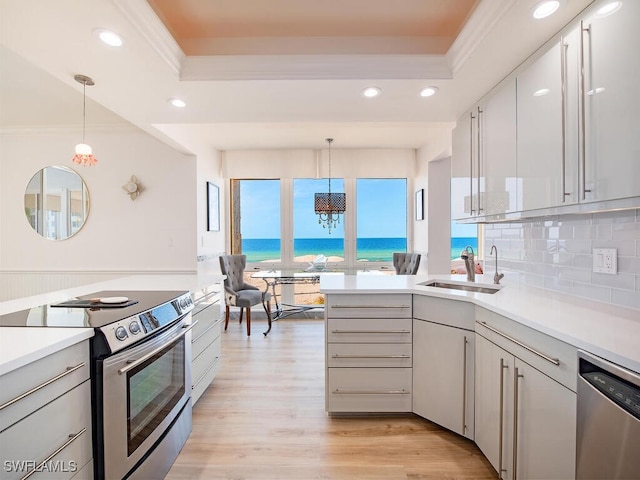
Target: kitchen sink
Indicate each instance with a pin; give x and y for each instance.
(461, 286)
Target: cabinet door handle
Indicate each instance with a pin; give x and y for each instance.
(68, 371)
(471, 119)
(371, 392)
(39, 468)
(583, 126)
(464, 386)
(370, 331)
(503, 367)
(370, 306)
(516, 376)
(549, 359)
(563, 89)
(369, 356)
(480, 112)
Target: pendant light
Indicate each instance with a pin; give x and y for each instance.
(84, 155)
(329, 206)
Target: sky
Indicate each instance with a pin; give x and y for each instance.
(381, 209)
(379, 201)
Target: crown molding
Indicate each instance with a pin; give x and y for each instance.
(69, 129)
(484, 18)
(314, 67)
(147, 23)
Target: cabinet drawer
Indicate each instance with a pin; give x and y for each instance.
(57, 373)
(369, 306)
(208, 357)
(369, 390)
(66, 420)
(204, 381)
(551, 356)
(453, 313)
(370, 330)
(369, 355)
(204, 336)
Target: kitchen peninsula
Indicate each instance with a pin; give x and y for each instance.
(498, 368)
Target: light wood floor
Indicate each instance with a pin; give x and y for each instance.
(264, 418)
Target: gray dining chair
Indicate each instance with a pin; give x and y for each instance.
(406, 263)
(238, 293)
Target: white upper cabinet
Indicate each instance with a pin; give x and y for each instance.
(611, 102)
(464, 165)
(561, 130)
(483, 167)
(547, 128)
(497, 151)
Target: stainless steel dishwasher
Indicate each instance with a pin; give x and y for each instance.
(608, 432)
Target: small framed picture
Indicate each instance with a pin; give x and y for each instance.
(213, 207)
(420, 204)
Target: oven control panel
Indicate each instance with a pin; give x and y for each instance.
(130, 330)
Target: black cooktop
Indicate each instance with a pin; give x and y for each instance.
(85, 314)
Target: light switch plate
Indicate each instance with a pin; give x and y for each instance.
(605, 260)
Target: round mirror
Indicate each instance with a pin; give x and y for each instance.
(56, 202)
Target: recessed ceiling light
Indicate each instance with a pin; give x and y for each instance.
(176, 102)
(546, 8)
(428, 91)
(371, 92)
(109, 37)
(608, 9)
(541, 92)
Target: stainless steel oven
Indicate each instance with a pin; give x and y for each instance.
(146, 394)
(140, 375)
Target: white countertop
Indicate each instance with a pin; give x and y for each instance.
(605, 330)
(22, 345)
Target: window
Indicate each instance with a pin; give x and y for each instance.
(310, 239)
(461, 236)
(381, 224)
(259, 217)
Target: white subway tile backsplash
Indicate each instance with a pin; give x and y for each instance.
(555, 253)
(626, 298)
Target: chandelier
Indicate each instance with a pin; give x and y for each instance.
(329, 206)
(84, 155)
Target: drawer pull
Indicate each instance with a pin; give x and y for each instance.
(371, 392)
(370, 356)
(370, 306)
(370, 331)
(555, 361)
(42, 385)
(39, 468)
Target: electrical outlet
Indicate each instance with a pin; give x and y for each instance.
(605, 260)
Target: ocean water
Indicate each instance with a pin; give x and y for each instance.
(370, 249)
(458, 244)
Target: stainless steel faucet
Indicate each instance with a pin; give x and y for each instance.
(497, 276)
(469, 260)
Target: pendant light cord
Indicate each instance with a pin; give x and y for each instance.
(329, 140)
(84, 108)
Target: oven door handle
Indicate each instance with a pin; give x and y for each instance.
(144, 358)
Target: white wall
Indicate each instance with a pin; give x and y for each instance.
(155, 233)
(210, 244)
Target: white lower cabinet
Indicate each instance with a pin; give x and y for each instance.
(206, 345)
(443, 362)
(368, 353)
(45, 417)
(525, 420)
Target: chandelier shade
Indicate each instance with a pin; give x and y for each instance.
(84, 153)
(329, 206)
